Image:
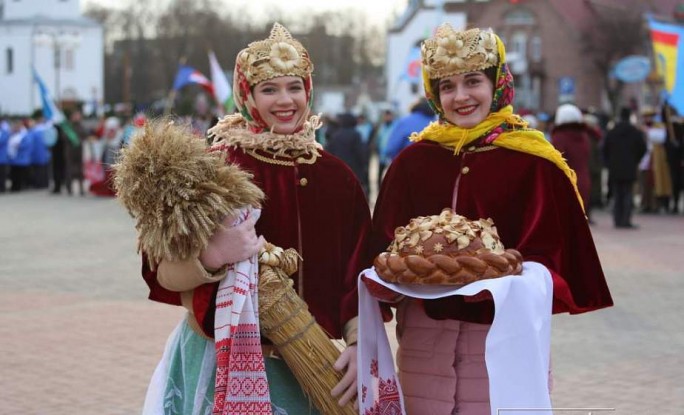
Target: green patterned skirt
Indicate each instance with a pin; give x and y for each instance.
(183, 382)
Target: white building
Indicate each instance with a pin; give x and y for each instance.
(64, 47)
(419, 21)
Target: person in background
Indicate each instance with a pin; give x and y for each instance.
(74, 155)
(328, 128)
(674, 146)
(659, 170)
(59, 160)
(346, 144)
(421, 115)
(112, 140)
(39, 174)
(570, 136)
(482, 161)
(132, 127)
(19, 147)
(595, 160)
(365, 128)
(366, 131)
(623, 148)
(382, 134)
(4, 159)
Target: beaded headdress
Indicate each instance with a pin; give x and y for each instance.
(450, 52)
(278, 55)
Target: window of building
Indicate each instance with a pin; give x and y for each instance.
(519, 16)
(536, 49)
(9, 59)
(518, 44)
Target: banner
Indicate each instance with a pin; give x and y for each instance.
(412, 67)
(667, 50)
(222, 90)
(188, 75)
(54, 114)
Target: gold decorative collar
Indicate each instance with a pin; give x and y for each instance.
(232, 131)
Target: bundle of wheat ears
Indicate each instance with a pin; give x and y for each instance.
(178, 192)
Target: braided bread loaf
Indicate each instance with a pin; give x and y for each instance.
(446, 249)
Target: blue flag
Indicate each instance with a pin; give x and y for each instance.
(52, 113)
(188, 75)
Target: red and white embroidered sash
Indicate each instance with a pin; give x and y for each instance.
(241, 384)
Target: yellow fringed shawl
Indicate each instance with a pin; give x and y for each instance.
(518, 138)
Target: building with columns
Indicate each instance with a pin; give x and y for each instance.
(65, 48)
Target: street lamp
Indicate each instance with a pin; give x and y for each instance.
(59, 40)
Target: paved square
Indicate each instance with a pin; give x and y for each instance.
(78, 335)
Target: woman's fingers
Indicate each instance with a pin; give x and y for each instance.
(347, 385)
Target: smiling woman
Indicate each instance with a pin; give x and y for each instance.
(282, 103)
(482, 161)
(466, 98)
(313, 205)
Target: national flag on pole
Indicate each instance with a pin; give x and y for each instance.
(222, 90)
(668, 44)
(52, 113)
(188, 75)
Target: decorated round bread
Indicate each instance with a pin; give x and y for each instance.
(446, 249)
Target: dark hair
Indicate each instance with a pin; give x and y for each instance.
(489, 73)
(37, 114)
(625, 113)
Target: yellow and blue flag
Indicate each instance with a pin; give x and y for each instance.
(668, 44)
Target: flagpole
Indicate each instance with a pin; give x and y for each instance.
(172, 94)
(219, 105)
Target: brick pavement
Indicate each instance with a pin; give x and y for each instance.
(79, 337)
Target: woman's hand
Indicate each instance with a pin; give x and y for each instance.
(347, 385)
(230, 244)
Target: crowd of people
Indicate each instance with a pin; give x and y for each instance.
(636, 160)
(72, 157)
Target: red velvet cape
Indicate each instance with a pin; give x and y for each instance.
(533, 205)
(320, 210)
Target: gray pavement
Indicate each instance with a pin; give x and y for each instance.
(78, 336)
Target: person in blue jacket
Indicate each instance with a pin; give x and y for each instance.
(40, 153)
(4, 160)
(421, 115)
(19, 152)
